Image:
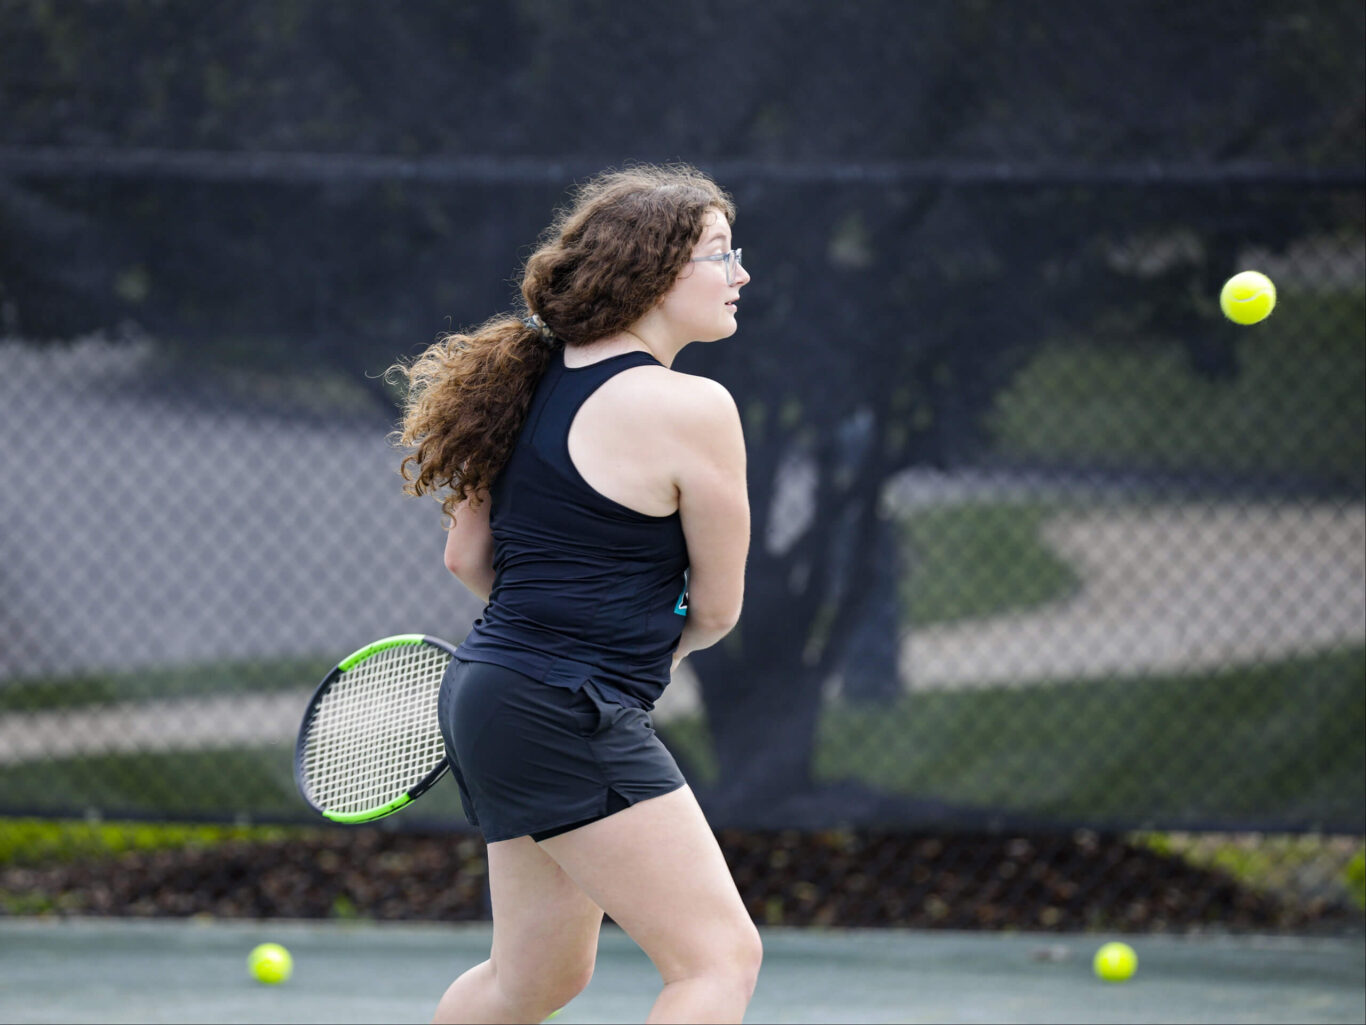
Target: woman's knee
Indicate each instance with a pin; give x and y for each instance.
(732, 958)
(574, 981)
(745, 956)
(566, 987)
(552, 984)
(749, 956)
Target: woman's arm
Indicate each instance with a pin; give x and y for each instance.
(469, 547)
(713, 504)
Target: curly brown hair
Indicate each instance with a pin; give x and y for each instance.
(605, 260)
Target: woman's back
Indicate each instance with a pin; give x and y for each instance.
(586, 586)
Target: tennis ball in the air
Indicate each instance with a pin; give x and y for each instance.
(270, 963)
(1115, 962)
(1248, 297)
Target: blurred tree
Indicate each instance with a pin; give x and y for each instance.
(926, 304)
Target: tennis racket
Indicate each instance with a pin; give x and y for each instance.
(370, 742)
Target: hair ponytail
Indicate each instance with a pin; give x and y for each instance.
(468, 395)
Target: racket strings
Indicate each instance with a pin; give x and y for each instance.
(374, 733)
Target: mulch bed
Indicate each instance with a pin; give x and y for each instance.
(1082, 881)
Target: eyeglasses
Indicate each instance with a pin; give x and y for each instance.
(730, 260)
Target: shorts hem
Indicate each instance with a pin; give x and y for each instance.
(577, 820)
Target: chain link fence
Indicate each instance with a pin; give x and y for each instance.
(1056, 608)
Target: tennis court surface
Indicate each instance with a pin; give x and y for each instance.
(121, 970)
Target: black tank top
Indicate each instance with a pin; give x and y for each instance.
(586, 591)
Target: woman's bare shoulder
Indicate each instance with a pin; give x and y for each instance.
(669, 393)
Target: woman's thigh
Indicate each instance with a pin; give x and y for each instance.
(657, 869)
(544, 925)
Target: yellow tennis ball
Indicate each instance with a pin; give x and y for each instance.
(1248, 297)
(1115, 962)
(270, 963)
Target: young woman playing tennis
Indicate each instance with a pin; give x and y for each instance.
(599, 507)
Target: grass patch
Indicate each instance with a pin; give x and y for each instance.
(243, 784)
(1280, 743)
(1283, 742)
(232, 783)
(34, 694)
(1303, 866)
(976, 560)
(1295, 405)
(26, 841)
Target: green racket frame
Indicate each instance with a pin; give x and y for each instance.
(301, 745)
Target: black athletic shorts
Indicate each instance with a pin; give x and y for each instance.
(536, 759)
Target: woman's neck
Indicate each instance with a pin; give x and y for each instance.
(623, 341)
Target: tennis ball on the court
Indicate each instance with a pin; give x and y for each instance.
(1248, 297)
(270, 963)
(1115, 962)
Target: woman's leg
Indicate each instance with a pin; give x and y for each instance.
(545, 940)
(657, 870)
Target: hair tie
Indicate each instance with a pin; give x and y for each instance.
(540, 327)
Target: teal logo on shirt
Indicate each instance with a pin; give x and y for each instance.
(681, 606)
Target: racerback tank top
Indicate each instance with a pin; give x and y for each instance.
(586, 592)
